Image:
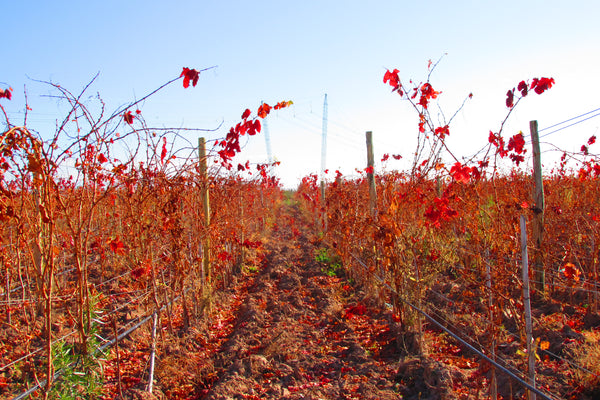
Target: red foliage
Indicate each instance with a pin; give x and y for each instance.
(422, 122)
(427, 93)
(163, 152)
(460, 173)
(570, 271)
(264, 110)
(393, 79)
(541, 85)
(440, 211)
(128, 117)
(538, 85)
(283, 104)
(6, 93)
(442, 131)
(517, 143)
(231, 145)
(523, 88)
(592, 140)
(357, 309)
(141, 271)
(510, 98)
(117, 246)
(189, 75)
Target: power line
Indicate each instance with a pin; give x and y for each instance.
(324, 140)
(569, 120)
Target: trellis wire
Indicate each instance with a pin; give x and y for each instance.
(507, 371)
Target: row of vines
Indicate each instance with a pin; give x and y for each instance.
(445, 240)
(102, 228)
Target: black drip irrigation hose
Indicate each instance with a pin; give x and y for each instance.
(458, 338)
(105, 346)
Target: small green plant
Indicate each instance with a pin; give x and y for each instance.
(322, 256)
(334, 269)
(331, 266)
(81, 374)
(251, 268)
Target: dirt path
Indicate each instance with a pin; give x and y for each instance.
(301, 334)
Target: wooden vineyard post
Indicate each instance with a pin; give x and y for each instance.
(242, 259)
(371, 175)
(527, 306)
(488, 283)
(538, 209)
(152, 355)
(206, 208)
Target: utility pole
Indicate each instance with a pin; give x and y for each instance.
(323, 163)
(265, 129)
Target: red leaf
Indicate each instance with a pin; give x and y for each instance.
(144, 269)
(101, 158)
(460, 173)
(442, 131)
(542, 84)
(517, 143)
(117, 246)
(393, 79)
(256, 126)
(264, 110)
(433, 215)
(163, 152)
(427, 93)
(246, 114)
(7, 93)
(422, 122)
(498, 141)
(517, 159)
(283, 104)
(128, 117)
(522, 88)
(358, 309)
(570, 271)
(189, 75)
(592, 140)
(510, 96)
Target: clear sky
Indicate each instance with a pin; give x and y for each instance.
(281, 50)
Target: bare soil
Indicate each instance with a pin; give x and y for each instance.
(299, 333)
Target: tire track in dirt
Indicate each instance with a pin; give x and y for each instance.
(300, 334)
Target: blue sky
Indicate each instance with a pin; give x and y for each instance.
(274, 50)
